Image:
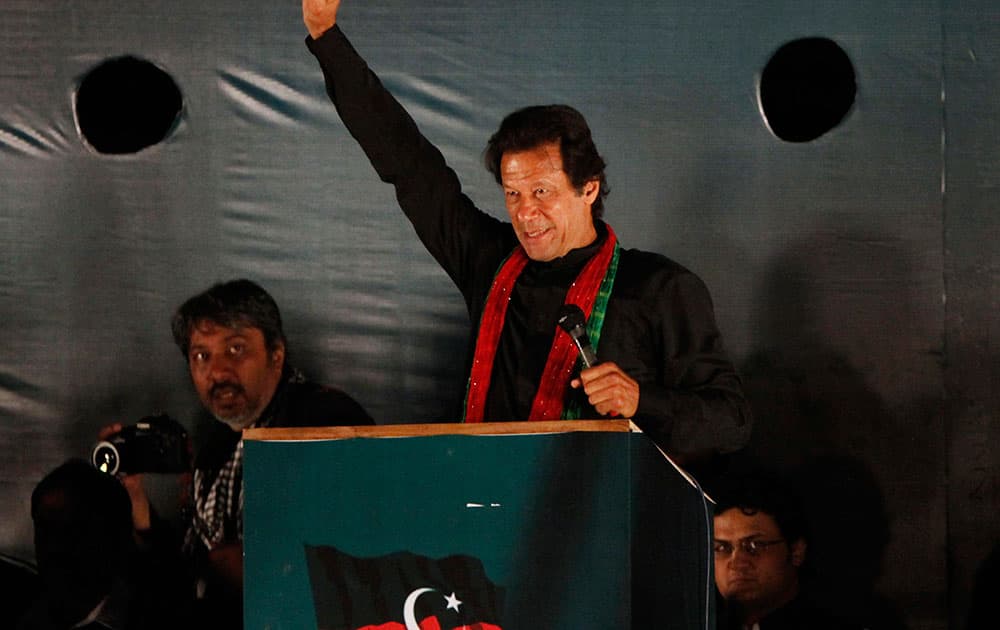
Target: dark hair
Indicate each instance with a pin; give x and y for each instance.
(82, 494)
(768, 493)
(534, 126)
(233, 303)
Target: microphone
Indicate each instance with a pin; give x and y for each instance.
(572, 321)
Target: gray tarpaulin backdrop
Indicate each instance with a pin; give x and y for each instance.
(855, 276)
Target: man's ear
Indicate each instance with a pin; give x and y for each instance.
(278, 354)
(798, 551)
(590, 190)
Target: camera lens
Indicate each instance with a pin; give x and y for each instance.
(105, 458)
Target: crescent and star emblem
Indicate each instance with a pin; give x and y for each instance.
(411, 601)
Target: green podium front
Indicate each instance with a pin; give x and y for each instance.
(563, 525)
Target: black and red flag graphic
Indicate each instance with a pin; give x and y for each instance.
(401, 591)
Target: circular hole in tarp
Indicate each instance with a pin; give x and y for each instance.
(126, 104)
(806, 89)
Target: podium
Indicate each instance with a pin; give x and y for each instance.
(523, 525)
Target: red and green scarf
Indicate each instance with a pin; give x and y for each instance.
(590, 291)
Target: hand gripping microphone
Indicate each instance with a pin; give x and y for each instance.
(572, 321)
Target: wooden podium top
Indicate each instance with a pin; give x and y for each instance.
(445, 428)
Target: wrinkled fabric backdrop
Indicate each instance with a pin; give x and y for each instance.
(854, 276)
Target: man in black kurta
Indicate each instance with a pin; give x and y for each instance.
(660, 352)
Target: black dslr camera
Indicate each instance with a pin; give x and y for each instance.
(156, 444)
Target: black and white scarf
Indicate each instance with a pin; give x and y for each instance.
(217, 495)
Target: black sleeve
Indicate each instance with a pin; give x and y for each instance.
(163, 576)
(468, 243)
(701, 406)
(661, 330)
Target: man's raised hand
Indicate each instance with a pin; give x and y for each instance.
(319, 15)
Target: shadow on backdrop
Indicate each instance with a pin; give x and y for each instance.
(818, 418)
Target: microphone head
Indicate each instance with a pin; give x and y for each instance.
(571, 319)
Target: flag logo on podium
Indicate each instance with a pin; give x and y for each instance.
(401, 591)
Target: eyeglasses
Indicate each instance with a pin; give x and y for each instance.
(749, 546)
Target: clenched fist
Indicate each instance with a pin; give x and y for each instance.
(319, 15)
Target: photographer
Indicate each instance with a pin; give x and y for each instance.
(231, 336)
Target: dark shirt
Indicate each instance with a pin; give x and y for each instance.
(798, 614)
(147, 596)
(295, 403)
(659, 325)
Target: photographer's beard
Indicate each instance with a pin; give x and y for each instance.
(238, 423)
(229, 403)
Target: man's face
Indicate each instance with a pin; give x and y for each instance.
(762, 581)
(549, 215)
(233, 372)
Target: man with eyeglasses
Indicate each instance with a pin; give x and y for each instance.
(759, 544)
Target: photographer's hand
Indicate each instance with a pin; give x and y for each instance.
(141, 517)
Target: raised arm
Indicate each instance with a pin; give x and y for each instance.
(467, 243)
